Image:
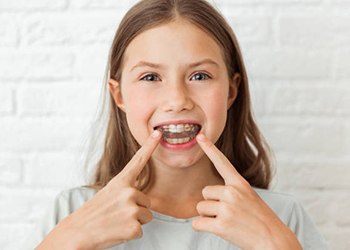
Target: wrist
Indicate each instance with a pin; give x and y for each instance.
(283, 239)
(71, 237)
(59, 239)
(63, 236)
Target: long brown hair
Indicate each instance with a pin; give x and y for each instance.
(241, 141)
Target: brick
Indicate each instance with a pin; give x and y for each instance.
(341, 30)
(70, 29)
(341, 1)
(10, 169)
(257, 97)
(279, 177)
(90, 67)
(36, 66)
(302, 99)
(347, 135)
(6, 100)
(342, 64)
(101, 4)
(305, 31)
(259, 2)
(251, 29)
(268, 63)
(8, 32)
(62, 99)
(13, 235)
(315, 31)
(321, 174)
(33, 5)
(60, 169)
(341, 211)
(24, 204)
(338, 238)
(316, 203)
(33, 135)
(305, 136)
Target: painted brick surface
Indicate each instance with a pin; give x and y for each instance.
(33, 5)
(52, 61)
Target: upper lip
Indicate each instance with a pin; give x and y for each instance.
(176, 122)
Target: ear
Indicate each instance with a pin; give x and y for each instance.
(115, 89)
(233, 89)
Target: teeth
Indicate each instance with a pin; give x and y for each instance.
(177, 140)
(172, 128)
(179, 133)
(179, 128)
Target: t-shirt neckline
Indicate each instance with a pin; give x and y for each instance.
(168, 218)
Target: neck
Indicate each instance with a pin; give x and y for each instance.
(180, 189)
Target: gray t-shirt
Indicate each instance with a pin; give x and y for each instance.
(166, 232)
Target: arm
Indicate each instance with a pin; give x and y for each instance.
(112, 216)
(236, 213)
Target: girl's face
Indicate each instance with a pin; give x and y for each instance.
(174, 79)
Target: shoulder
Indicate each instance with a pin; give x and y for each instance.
(293, 214)
(66, 202)
(277, 200)
(82, 192)
(285, 206)
(72, 198)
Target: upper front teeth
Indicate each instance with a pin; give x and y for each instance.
(179, 128)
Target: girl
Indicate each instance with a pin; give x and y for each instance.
(184, 165)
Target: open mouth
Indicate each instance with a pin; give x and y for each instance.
(179, 133)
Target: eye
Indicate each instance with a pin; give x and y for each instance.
(150, 78)
(200, 77)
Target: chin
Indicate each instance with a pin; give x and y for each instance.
(179, 160)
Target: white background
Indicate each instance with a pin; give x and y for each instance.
(52, 61)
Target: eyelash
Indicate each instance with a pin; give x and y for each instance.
(148, 75)
(206, 76)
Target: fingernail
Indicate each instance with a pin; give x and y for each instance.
(155, 134)
(200, 137)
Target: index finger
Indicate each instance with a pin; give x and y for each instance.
(221, 163)
(139, 160)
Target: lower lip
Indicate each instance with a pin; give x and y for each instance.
(182, 146)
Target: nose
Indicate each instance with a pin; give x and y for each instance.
(177, 98)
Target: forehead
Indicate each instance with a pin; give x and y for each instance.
(178, 40)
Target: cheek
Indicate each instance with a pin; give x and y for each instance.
(219, 114)
(136, 102)
(216, 112)
(217, 103)
(134, 106)
(138, 109)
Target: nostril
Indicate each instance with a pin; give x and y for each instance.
(177, 100)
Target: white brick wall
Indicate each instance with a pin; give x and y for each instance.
(52, 60)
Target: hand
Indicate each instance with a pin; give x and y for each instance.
(236, 213)
(115, 214)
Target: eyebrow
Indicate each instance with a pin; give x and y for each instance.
(159, 66)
